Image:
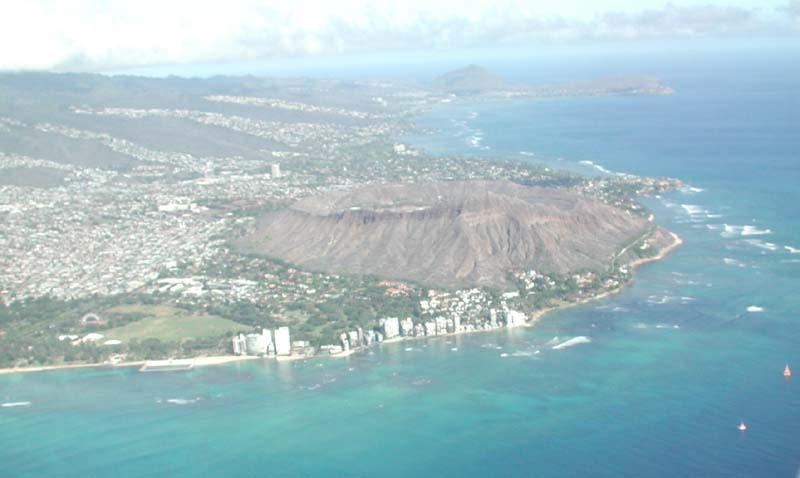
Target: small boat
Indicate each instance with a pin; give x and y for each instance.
(787, 372)
(742, 427)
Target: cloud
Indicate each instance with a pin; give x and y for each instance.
(791, 9)
(103, 34)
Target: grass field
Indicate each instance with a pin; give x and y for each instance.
(168, 324)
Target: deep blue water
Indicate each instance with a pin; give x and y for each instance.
(674, 362)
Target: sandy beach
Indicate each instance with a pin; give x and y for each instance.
(198, 362)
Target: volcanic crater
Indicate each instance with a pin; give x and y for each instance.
(446, 234)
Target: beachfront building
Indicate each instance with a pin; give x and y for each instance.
(407, 327)
(239, 344)
(391, 327)
(515, 318)
(355, 337)
(283, 343)
(256, 344)
(441, 325)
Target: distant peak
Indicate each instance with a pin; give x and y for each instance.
(470, 79)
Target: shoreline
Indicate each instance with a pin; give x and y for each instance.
(198, 362)
(535, 317)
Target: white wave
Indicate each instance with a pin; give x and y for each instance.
(504, 354)
(15, 404)
(596, 166)
(754, 231)
(755, 308)
(732, 262)
(694, 210)
(792, 250)
(732, 230)
(572, 342)
(768, 246)
(475, 140)
(662, 299)
(691, 190)
(527, 153)
(183, 401)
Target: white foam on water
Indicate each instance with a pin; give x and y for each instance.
(596, 166)
(183, 401)
(572, 342)
(691, 190)
(755, 308)
(693, 209)
(15, 404)
(767, 246)
(663, 299)
(732, 230)
(527, 153)
(754, 231)
(733, 262)
(792, 250)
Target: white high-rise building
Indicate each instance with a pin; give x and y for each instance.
(515, 318)
(239, 345)
(256, 344)
(407, 327)
(283, 343)
(276, 171)
(355, 337)
(391, 327)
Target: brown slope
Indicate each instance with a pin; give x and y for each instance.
(446, 234)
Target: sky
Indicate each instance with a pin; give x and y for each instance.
(103, 35)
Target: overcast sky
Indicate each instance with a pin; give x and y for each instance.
(97, 35)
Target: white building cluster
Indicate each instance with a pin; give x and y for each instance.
(270, 343)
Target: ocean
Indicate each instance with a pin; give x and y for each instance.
(694, 345)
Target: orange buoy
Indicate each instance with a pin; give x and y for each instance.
(787, 372)
(742, 427)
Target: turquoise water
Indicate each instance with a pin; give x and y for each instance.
(674, 362)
